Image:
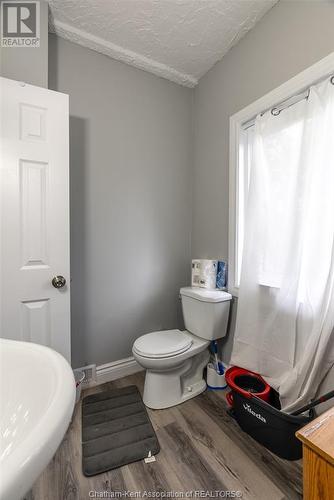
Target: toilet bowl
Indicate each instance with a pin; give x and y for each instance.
(174, 360)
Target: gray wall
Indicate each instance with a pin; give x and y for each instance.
(28, 64)
(289, 38)
(130, 135)
(132, 170)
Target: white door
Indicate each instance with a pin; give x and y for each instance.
(34, 227)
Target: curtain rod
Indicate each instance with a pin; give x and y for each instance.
(275, 111)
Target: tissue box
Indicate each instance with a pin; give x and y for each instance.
(204, 273)
(221, 281)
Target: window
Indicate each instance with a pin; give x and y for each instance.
(245, 158)
(241, 145)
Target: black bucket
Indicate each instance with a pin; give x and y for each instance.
(269, 426)
(250, 383)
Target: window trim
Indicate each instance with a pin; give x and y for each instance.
(296, 85)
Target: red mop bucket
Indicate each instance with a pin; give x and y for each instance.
(243, 382)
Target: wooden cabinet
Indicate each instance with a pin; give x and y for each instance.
(318, 457)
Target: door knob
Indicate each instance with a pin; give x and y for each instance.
(58, 281)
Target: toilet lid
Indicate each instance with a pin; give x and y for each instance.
(162, 344)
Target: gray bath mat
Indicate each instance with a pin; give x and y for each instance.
(116, 430)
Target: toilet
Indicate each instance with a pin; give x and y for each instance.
(174, 360)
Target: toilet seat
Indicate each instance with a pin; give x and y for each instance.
(162, 344)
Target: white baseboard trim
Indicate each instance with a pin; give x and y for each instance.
(116, 369)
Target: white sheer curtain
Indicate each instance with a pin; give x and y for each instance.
(285, 316)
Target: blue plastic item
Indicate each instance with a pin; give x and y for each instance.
(214, 380)
(221, 280)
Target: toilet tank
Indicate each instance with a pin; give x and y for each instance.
(205, 312)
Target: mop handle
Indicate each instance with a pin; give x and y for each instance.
(314, 403)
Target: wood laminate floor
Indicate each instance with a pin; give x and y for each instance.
(202, 450)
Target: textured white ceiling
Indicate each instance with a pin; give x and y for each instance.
(176, 39)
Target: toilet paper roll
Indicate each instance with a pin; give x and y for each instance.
(204, 273)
